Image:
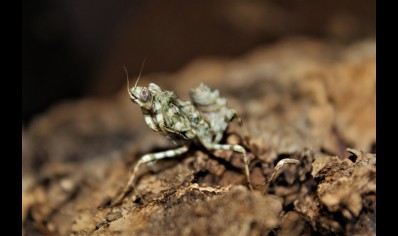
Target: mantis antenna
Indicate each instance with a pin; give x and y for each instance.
(128, 82)
(127, 75)
(142, 66)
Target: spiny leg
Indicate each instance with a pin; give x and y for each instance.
(235, 148)
(149, 121)
(148, 158)
(279, 166)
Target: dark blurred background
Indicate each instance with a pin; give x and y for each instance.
(74, 49)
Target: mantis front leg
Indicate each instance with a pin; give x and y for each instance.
(149, 121)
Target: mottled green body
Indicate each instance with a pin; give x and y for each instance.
(203, 122)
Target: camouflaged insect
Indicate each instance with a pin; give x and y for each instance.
(202, 122)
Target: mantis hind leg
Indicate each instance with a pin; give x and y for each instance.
(148, 158)
(235, 148)
(279, 166)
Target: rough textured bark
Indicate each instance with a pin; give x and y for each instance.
(298, 98)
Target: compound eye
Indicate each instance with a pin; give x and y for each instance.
(145, 95)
